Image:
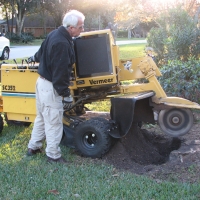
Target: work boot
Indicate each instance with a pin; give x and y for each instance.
(58, 160)
(32, 152)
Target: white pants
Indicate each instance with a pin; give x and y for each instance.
(48, 123)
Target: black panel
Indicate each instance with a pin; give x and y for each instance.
(93, 56)
(125, 111)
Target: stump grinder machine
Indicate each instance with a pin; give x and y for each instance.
(99, 75)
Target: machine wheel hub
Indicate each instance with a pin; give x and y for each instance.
(176, 121)
(90, 139)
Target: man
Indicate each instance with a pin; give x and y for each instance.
(56, 57)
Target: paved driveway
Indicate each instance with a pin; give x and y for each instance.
(22, 51)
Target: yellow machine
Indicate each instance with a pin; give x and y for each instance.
(97, 75)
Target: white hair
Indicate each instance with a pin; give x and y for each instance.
(71, 18)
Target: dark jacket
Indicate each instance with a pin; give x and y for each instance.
(56, 57)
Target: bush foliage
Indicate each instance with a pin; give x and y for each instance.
(24, 37)
(175, 38)
(182, 79)
(122, 34)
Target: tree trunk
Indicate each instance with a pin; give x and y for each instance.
(99, 21)
(129, 33)
(20, 17)
(20, 21)
(7, 20)
(13, 11)
(44, 23)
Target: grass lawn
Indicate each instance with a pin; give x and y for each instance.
(121, 39)
(131, 51)
(24, 178)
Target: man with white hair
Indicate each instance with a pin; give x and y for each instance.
(56, 57)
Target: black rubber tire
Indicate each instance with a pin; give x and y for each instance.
(91, 138)
(16, 123)
(1, 123)
(5, 54)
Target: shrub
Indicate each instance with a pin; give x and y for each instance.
(13, 37)
(25, 37)
(182, 79)
(122, 34)
(176, 38)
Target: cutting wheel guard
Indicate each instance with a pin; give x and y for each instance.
(130, 109)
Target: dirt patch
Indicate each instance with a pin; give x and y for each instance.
(149, 152)
(146, 147)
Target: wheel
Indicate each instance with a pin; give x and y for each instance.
(16, 123)
(5, 54)
(1, 123)
(175, 122)
(91, 138)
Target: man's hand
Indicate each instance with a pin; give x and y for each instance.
(31, 59)
(67, 102)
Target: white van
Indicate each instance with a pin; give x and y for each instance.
(4, 48)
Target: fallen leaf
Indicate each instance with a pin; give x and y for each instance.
(53, 192)
(115, 175)
(53, 170)
(158, 181)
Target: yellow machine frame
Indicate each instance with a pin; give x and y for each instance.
(17, 98)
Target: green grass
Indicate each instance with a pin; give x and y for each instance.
(23, 177)
(131, 51)
(122, 39)
(103, 106)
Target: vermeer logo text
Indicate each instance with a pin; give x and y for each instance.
(95, 82)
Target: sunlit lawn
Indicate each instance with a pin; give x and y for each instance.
(24, 178)
(132, 51)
